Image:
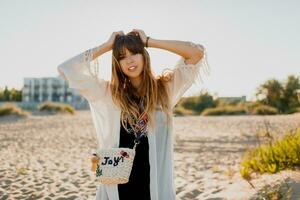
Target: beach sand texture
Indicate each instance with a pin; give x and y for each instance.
(47, 157)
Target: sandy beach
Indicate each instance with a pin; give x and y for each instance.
(47, 157)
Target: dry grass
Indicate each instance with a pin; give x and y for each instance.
(11, 109)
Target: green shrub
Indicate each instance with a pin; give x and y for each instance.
(12, 109)
(196, 104)
(225, 110)
(188, 102)
(181, 111)
(55, 107)
(265, 110)
(279, 155)
(281, 95)
(250, 106)
(293, 110)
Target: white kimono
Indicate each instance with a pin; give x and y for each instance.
(106, 118)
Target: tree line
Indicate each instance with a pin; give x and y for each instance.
(10, 95)
(281, 96)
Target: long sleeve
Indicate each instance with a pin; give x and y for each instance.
(184, 75)
(77, 72)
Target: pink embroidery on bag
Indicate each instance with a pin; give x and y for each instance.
(124, 154)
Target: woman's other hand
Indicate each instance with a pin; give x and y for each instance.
(142, 34)
(112, 38)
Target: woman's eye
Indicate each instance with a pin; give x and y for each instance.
(123, 57)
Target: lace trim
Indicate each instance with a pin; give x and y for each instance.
(201, 65)
(88, 58)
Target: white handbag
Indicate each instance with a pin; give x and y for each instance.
(114, 165)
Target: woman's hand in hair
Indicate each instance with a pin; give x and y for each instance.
(142, 34)
(112, 38)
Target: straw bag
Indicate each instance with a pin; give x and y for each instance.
(114, 165)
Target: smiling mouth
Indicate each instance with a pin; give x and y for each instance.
(132, 68)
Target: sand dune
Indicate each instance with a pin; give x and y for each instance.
(47, 157)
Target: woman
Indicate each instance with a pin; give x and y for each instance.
(134, 90)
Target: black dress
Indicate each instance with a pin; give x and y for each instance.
(138, 186)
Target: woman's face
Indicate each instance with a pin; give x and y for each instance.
(132, 64)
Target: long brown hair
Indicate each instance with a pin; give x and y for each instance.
(153, 91)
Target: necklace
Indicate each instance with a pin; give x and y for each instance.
(140, 128)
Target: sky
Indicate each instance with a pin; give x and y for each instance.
(247, 42)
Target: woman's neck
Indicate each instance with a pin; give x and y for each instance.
(136, 82)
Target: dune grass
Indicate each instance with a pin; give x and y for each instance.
(181, 111)
(265, 110)
(55, 107)
(225, 110)
(273, 157)
(11, 109)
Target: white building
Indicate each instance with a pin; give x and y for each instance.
(37, 90)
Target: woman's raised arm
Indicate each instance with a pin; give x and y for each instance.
(187, 50)
(187, 69)
(78, 73)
